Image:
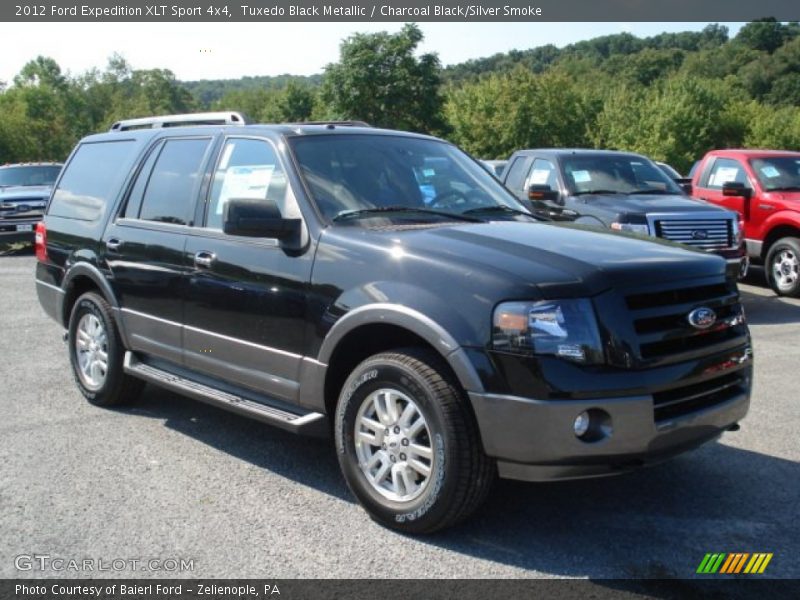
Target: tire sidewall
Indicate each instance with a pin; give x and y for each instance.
(368, 377)
(788, 244)
(89, 303)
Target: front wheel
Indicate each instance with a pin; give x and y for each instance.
(408, 444)
(783, 267)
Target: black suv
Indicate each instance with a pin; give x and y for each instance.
(384, 285)
(24, 190)
(625, 192)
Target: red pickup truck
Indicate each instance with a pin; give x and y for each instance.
(763, 186)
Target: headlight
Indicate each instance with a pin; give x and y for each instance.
(640, 228)
(563, 328)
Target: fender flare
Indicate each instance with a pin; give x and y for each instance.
(88, 270)
(414, 321)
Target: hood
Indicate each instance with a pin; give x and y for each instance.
(647, 203)
(559, 260)
(16, 193)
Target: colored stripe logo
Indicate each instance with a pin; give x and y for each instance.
(732, 563)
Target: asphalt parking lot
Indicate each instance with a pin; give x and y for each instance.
(175, 479)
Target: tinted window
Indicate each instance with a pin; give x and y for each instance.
(724, 171)
(137, 193)
(247, 169)
(172, 187)
(543, 173)
(517, 172)
(29, 175)
(91, 180)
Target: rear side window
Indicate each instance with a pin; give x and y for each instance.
(91, 180)
(172, 185)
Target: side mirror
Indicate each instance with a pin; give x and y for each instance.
(685, 183)
(258, 218)
(734, 189)
(542, 192)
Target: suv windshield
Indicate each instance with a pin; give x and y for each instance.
(615, 174)
(364, 175)
(29, 175)
(777, 172)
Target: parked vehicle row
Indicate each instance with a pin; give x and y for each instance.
(625, 192)
(384, 286)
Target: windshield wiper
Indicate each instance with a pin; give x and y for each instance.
(366, 212)
(589, 192)
(497, 208)
(784, 188)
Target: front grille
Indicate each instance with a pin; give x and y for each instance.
(664, 334)
(705, 234)
(684, 400)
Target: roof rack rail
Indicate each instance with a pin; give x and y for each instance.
(208, 118)
(335, 123)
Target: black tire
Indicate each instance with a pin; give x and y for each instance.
(116, 388)
(779, 252)
(461, 473)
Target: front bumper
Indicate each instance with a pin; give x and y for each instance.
(533, 440)
(18, 230)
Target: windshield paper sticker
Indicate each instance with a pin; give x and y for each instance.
(770, 171)
(724, 175)
(581, 176)
(539, 176)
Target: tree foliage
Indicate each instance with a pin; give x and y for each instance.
(378, 79)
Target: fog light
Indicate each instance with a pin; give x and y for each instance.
(581, 425)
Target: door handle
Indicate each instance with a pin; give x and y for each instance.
(204, 259)
(113, 244)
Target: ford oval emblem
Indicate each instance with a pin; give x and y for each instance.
(699, 234)
(702, 318)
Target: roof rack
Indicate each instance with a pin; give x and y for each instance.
(334, 123)
(208, 118)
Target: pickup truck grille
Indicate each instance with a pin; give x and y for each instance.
(685, 400)
(664, 334)
(706, 234)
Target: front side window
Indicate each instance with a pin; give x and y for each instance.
(725, 170)
(543, 173)
(778, 172)
(248, 169)
(353, 173)
(172, 185)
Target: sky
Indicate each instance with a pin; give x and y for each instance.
(231, 50)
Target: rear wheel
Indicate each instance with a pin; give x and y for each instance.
(96, 353)
(783, 267)
(408, 444)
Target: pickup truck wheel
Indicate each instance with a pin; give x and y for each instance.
(408, 444)
(96, 354)
(783, 267)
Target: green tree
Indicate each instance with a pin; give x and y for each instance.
(378, 79)
(499, 114)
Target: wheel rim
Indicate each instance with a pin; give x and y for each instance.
(785, 269)
(91, 351)
(393, 445)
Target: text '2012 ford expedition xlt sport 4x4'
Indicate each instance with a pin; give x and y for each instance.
(384, 285)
